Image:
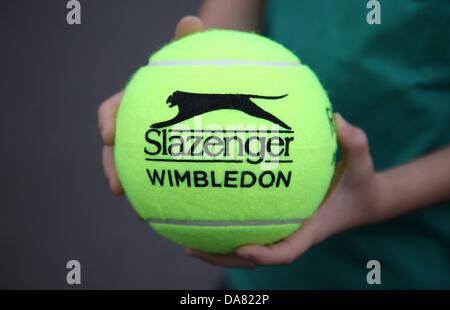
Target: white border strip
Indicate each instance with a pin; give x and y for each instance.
(225, 223)
(172, 63)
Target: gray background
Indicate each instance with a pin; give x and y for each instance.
(55, 204)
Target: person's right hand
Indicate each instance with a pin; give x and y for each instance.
(107, 111)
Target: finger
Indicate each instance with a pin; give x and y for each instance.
(282, 253)
(107, 118)
(222, 260)
(110, 170)
(352, 140)
(261, 255)
(188, 25)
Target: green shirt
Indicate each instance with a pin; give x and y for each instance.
(392, 80)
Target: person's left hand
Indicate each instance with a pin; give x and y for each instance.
(352, 201)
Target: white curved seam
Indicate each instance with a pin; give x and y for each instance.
(172, 63)
(224, 223)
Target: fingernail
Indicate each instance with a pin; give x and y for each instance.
(344, 127)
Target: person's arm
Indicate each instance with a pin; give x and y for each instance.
(232, 14)
(420, 183)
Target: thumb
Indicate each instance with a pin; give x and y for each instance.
(354, 145)
(352, 140)
(188, 25)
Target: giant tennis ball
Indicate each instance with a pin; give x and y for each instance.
(225, 138)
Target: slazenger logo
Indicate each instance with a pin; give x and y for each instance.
(220, 146)
(192, 104)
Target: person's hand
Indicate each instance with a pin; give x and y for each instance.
(352, 201)
(107, 111)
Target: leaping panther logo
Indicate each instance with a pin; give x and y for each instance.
(193, 104)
